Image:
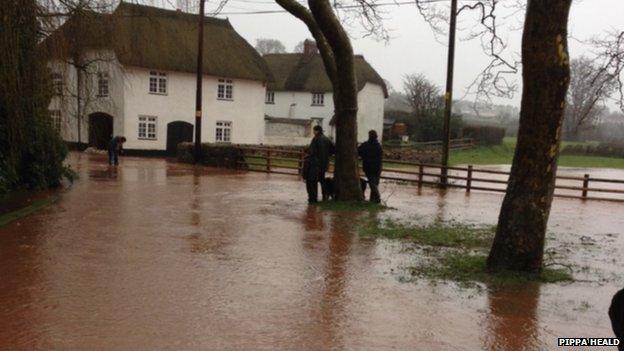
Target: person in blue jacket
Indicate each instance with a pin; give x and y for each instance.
(371, 153)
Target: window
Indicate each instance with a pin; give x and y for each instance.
(147, 127)
(55, 116)
(158, 83)
(57, 83)
(225, 89)
(102, 83)
(270, 97)
(223, 132)
(318, 99)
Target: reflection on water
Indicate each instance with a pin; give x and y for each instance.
(511, 322)
(158, 255)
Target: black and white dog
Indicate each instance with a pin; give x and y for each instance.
(330, 187)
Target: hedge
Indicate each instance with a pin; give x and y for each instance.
(484, 135)
(216, 155)
(602, 149)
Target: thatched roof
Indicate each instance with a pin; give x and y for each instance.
(301, 72)
(156, 38)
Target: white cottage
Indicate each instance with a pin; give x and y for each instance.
(131, 73)
(301, 97)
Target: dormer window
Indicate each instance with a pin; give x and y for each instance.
(158, 83)
(270, 97)
(318, 99)
(225, 89)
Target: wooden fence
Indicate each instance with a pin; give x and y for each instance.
(469, 178)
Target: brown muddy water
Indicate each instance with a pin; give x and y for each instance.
(161, 256)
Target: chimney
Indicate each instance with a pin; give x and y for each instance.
(309, 47)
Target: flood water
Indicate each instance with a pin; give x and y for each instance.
(162, 256)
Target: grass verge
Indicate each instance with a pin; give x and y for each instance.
(9, 217)
(503, 154)
(457, 252)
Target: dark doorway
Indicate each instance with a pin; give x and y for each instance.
(100, 130)
(178, 132)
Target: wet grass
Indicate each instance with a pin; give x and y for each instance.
(9, 217)
(459, 235)
(469, 268)
(349, 206)
(456, 252)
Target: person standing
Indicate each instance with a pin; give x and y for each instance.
(371, 153)
(115, 147)
(320, 150)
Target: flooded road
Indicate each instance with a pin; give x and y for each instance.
(164, 256)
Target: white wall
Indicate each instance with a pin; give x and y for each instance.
(370, 111)
(102, 61)
(246, 111)
(370, 114)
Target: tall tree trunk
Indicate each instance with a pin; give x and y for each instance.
(335, 48)
(347, 172)
(519, 241)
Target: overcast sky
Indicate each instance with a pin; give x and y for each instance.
(413, 47)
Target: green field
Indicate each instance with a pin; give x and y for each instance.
(503, 154)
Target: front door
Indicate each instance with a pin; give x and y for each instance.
(178, 132)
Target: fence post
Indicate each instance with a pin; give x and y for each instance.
(268, 161)
(585, 185)
(420, 174)
(469, 179)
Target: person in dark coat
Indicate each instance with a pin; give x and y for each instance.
(371, 153)
(616, 314)
(320, 150)
(115, 147)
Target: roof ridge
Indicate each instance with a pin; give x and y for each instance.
(163, 12)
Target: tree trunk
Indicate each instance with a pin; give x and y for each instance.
(519, 241)
(346, 173)
(335, 48)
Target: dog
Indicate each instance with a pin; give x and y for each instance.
(616, 313)
(330, 187)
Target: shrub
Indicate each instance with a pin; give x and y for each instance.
(216, 155)
(484, 135)
(431, 127)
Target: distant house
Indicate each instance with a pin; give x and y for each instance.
(301, 97)
(137, 79)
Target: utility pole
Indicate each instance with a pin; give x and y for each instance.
(200, 72)
(448, 97)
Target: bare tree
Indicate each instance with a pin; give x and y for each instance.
(423, 96)
(519, 241)
(590, 86)
(269, 46)
(298, 49)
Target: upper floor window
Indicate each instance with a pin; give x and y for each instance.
(158, 82)
(57, 83)
(102, 83)
(223, 132)
(270, 97)
(318, 99)
(147, 127)
(225, 89)
(55, 116)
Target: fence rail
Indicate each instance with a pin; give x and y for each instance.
(290, 162)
